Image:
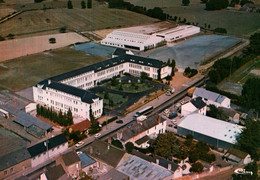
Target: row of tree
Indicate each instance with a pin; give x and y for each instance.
(83, 4)
(188, 72)
(63, 119)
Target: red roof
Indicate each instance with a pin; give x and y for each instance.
(81, 126)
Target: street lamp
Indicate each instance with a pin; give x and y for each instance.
(46, 144)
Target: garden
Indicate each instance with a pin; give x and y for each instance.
(111, 100)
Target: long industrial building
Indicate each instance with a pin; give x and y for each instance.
(212, 131)
(177, 33)
(130, 40)
(69, 90)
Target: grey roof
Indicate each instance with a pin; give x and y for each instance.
(137, 168)
(13, 158)
(27, 120)
(119, 52)
(85, 160)
(142, 140)
(85, 95)
(110, 63)
(209, 95)
(105, 152)
(54, 173)
(70, 158)
(198, 103)
(138, 128)
(52, 143)
(113, 174)
(228, 112)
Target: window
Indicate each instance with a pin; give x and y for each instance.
(5, 173)
(11, 170)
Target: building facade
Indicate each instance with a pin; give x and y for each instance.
(195, 105)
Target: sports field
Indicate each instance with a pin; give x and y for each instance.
(50, 20)
(236, 22)
(24, 72)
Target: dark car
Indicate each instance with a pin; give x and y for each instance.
(119, 121)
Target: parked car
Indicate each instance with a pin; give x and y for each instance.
(119, 121)
(130, 125)
(97, 135)
(166, 111)
(172, 115)
(79, 152)
(80, 143)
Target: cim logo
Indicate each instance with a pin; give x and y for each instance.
(242, 171)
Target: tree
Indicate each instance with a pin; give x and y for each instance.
(114, 81)
(216, 4)
(83, 4)
(2, 38)
(203, 1)
(144, 75)
(168, 62)
(220, 30)
(208, 26)
(52, 40)
(173, 64)
(106, 95)
(243, 2)
(69, 4)
(111, 103)
(185, 2)
(89, 4)
(129, 147)
(62, 29)
(117, 143)
(166, 145)
(10, 36)
(159, 74)
(175, 18)
(69, 117)
(94, 128)
(120, 87)
(197, 167)
(255, 43)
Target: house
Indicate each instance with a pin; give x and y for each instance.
(138, 168)
(47, 149)
(231, 114)
(195, 105)
(212, 98)
(82, 126)
(105, 155)
(14, 162)
(87, 163)
(238, 157)
(130, 40)
(142, 130)
(54, 173)
(70, 163)
(114, 174)
(210, 130)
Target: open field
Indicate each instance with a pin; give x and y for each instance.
(21, 73)
(236, 22)
(46, 21)
(21, 47)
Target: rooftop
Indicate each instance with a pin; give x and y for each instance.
(81, 126)
(13, 158)
(105, 152)
(137, 168)
(70, 158)
(142, 140)
(211, 127)
(85, 160)
(113, 174)
(209, 95)
(237, 153)
(52, 143)
(198, 102)
(54, 173)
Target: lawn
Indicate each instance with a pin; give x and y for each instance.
(117, 99)
(132, 87)
(50, 20)
(24, 72)
(236, 22)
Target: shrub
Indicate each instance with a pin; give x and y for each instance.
(129, 147)
(197, 167)
(63, 30)
(2, 38)
(52, 40)
(220, 30)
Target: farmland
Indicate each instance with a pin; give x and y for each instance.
(24, 72)
(236, 22)
(48, 21)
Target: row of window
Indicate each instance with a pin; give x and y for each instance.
(6, 172)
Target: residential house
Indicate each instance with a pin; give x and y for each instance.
(195, 105)
(237, 157)
(47, 149)
(14, 162)
(71, 163)
(87, 163)
(212, 98)
(54, 173)
(114, 174)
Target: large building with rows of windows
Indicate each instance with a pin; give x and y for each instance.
(69, 90)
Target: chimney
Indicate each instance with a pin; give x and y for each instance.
(90, 149)
(49, 81)
(157, 161)
(109, 140)
(159, 119)
(169, 166)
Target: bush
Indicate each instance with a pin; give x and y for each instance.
(10, 36)
(220, 30)
(2, 38)
(197, 167)
(63, 30)
(129, 147)
(52, 40)
(216, 4)
(109, 120)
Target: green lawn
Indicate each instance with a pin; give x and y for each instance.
(132, 88)
(118, 100)
(236, 22)
(24, 72)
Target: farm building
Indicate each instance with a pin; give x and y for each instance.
(212, 98)
(213, 131)
(130, 40)
(178, 32)
(68, 90)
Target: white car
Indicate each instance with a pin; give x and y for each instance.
(166, 111)
(79, 152)
(80, 143)
(97, 135)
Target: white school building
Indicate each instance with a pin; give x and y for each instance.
(69, 90)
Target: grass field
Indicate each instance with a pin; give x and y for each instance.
(132, 88)
(236, 22)
(118, 100)
(24, 72)
(50, 20)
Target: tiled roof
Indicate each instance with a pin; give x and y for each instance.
(113, 174)
(142, 140)
(81, 126)
(54, 173)
(52, 143)
(209, 95)
(70, 158)
(198, 103)
(85, 160)
(13, 158)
